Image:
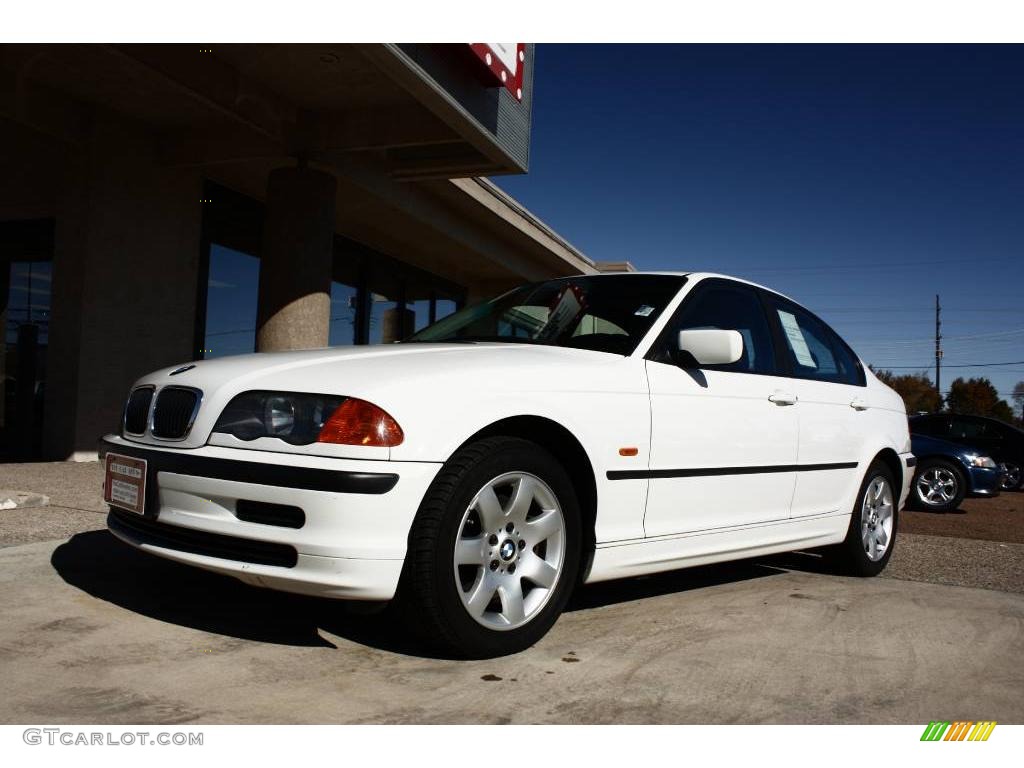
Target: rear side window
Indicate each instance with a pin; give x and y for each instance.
(966, 429)
(934, 426)
(814, 350)
(727, 307)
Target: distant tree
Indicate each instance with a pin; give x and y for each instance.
(1018, 398)
(916, 389)
(977, 397)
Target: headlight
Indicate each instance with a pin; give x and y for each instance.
(290, 416)
(302, 419)
(980, 461)
(279, 416)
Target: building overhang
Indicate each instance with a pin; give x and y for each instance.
(404, 135)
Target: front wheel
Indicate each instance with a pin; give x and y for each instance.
(494, 549)
(872, 533)
(938, 486)
(1012, 475)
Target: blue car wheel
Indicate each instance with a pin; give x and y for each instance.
(1011, 475)
(938, 486)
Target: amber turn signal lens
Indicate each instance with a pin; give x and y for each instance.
(357, 422)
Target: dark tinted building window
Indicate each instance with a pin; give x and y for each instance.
(231, 292)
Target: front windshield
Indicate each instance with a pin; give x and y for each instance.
(605, 313)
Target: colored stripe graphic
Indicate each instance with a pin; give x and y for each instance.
(934, 731)
(958, 730)
(982, 731)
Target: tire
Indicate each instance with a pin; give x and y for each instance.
(489, 569)
(1013, 479)
(939, 486)
(871, 521)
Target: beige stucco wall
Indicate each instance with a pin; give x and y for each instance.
(124, 282)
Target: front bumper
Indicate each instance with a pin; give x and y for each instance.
(350, 544)
(985, 482)
(909, 462)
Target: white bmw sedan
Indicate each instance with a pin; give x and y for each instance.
(571, 431)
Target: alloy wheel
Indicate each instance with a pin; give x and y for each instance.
(936, 486)
(510, 551)
(1011, 475)
(876, 518)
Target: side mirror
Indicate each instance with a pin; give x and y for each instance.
(711, 346)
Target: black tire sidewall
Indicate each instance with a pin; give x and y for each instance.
(856, 559)
(961, 489)
(1020, 482)
(472, 638)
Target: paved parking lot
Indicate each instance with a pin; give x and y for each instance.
(94, 631)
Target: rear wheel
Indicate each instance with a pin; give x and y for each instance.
(494, 549)
(938, 486)
(872, 533)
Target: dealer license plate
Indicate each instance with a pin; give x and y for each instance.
(124, 484)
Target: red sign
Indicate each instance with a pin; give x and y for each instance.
(505, 61)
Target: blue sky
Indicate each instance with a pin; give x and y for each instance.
(860, 180)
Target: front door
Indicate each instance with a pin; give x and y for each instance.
(723, 438)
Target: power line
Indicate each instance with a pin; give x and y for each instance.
(879, 265)
(992, 336)
(938, 344)
(973, 365)
(918, 310)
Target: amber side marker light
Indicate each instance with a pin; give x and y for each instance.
(628, 451)
(357, 422)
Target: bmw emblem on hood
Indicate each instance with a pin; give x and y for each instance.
(183, 368)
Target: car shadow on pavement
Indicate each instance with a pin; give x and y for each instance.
(100, 565)
(668, 582)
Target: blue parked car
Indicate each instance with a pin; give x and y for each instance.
(946, 472)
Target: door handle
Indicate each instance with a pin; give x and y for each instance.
(782, 398)
(858, 405)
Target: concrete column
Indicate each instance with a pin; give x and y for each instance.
(396, 324)
(294, 309)
(5, 292)
(126, 259)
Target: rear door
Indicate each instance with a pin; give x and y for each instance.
(830, 385)
(723, 438)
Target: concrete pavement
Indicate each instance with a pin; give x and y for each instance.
(94, 631)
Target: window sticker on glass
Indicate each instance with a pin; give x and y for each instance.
(644, 310)
(796, 340)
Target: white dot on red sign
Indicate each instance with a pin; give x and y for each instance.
(522, 56)
(504, 75)
(519, 93)
(487, 58)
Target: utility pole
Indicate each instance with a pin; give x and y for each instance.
(938, 346)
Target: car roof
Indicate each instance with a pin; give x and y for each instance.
(696, 276)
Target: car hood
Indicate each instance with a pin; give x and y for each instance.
(399, 377)
(922, 445)
(340, 368)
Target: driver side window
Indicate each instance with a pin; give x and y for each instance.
(726, 307)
